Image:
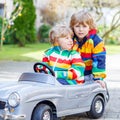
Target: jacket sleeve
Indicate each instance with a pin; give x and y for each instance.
(45, 60)
(76, 71)
(46, 55)
(99, 59)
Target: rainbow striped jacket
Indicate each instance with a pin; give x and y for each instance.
(93, 54)
(67, 65)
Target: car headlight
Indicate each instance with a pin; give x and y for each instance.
(14, 99)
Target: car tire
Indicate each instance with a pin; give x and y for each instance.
(97, 108)
(42, 112)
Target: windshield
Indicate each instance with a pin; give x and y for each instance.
(38, 77)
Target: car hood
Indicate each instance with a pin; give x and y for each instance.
(22, 88)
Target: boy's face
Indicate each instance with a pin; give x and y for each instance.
(81, 30)
(65, 43)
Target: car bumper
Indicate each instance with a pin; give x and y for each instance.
(12, 117)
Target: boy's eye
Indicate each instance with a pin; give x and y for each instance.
(77, 26)
(84, 25)
(81, 25)
(66, 38)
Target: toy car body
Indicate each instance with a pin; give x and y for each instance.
(39, 96)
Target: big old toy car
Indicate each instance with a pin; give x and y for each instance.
(39, 96)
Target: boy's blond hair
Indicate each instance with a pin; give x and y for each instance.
(59, 31)
(82, 17)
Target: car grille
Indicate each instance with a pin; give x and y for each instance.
(2, 104)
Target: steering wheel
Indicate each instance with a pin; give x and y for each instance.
(37, 69)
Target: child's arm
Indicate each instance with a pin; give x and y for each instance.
(46, 55)
(99, 59)
(75, 71)
(45, 60)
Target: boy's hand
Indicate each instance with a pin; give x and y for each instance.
(102, 83)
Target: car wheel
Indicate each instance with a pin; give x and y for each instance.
(97, 108)
(42, 112)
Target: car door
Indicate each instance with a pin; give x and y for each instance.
(77, 96)
(74, 99)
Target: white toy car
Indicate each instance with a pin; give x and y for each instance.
(39, 96)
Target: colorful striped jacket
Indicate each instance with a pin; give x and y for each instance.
(93, 54)
(67, 65)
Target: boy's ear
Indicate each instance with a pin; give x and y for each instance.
(51, 35)
(56, 41)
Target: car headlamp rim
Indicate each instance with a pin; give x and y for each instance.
(14, 99)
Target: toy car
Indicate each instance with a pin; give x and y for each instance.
(39, 96)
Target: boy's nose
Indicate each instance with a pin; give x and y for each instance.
(70, 39)
(80, 28)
